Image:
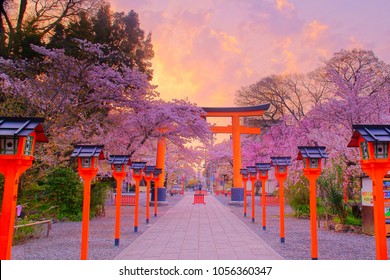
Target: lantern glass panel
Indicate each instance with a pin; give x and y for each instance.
(8, 145)
(282, 169)
(28, 145)
(381, 150)
(263, 173)
(314, 162)
(364, 149)
(86, 162)
(118, 167)
(137, 171)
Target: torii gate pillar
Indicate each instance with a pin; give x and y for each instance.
(236, 130)
(160, 163)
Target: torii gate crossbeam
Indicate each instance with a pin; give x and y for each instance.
(236, 130)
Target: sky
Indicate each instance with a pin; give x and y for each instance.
(206, 50)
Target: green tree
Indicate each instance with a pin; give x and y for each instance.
(102, 25)
(331, 191)
(128, 39)
(64, 189)
(58, 38)
(298, 196)
(98, 197)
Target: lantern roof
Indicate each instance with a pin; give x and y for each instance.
(157, 171)
(119, 159)
(370, 133)
(280, 161)
(149, 168)
(22, 127)
(244, 171)
(251, 169)
(138, 165)
(263, 166)
(84, 151)
(311, 152)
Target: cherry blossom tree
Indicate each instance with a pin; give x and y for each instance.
(350, 88)
(83, 100)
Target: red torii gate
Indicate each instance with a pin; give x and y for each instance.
(236, 130)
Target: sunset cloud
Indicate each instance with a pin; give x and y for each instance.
(229, 43)
(283, 4)
(314, 29)
(208, 49)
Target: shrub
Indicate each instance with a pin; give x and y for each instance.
(65, 191)
(98, 197)
(331, 190)
(298, 197)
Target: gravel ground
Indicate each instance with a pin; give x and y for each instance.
(63, 242)
(331, 245)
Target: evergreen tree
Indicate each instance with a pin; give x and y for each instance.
(129, 40)
(58, 39)
(102, 26)
(81, 29)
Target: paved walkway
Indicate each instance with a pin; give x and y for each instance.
(199, 232)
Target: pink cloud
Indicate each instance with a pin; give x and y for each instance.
(208, 49)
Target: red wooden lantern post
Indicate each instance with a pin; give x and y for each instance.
(281, 168)
(119, 165)
(156, 178)
(137, 176)
(148, 178)
(263, 176)
(87, 158)
(312, 168)
(17, 141)
(373, 141)
(245, 174)
(252, 177)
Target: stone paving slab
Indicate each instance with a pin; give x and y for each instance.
(199, 232)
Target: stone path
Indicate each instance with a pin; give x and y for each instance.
(199, 232)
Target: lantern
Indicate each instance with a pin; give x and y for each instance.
(17, 140)
(373, 141)
(281, 168)
(87, 156)
(253, 177)
(245, 174)
(119, 164)
(263, 169)
(137, 175)
(312, 159)
(156, 178)
(149, 169)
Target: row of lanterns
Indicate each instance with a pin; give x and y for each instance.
(281, 167)
(18, 137)
(373, 141)
(311, 157)
(87, 156)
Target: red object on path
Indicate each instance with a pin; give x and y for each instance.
(199, 199)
